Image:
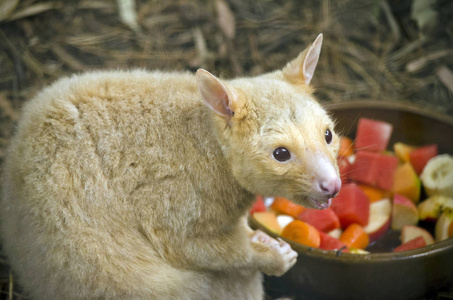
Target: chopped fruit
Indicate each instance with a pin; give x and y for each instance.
(374, 169)
(284, 220)
(269, 220)
(355, 237)
(346, 146)
(430, 209)
(415, 243)
(323, 220)
(404, 212)
(402, 151)
(407, 183)
(284, 206)
(330, 243)
(380, 219)
(420, 157)
(373, 135)
(258, 205)
(410, 232)
(351, 206)
(437, 176)
(302, 233)
(444, 226)
(374, 194)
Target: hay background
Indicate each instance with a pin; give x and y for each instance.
(372, 49)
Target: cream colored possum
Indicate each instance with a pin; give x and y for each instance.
(136, 185)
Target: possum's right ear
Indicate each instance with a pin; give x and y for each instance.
(303, 67)
(216, 95)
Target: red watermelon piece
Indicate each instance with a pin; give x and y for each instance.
(415, 243)
(351, 205)
(374, 169)
(330, 243)
(373, 135)
(323, 220)
(258, 205)
(419, 157)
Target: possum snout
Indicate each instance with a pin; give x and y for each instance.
(327, 182)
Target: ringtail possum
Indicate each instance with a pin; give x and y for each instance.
(136, 184)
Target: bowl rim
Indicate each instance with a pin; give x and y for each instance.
(435, 248)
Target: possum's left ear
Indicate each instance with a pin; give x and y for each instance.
(303, 67)
(216, 95)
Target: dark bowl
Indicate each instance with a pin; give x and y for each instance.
(423, 273)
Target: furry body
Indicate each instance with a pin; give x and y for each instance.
(124, 185)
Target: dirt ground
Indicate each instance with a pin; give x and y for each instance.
(373, 50)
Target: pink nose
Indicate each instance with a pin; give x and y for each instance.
(331, 186)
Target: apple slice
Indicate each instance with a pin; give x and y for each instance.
(415, 243)
(444, 226)
(269, 220)
(410, 232)
(430, 209)
(404, 212)
(380, 219)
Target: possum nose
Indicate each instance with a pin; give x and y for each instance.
(330, 186)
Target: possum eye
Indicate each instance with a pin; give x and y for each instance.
(328, 136)
(281, 154)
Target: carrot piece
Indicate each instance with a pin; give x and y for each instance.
(284, 206)
(374, 194)
(346, 146)
(355, 237)
(302, 233)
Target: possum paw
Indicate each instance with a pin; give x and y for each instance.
(281, 255)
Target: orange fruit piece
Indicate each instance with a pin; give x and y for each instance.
(346, 146)
(407, 183)
(355, 237)
(284, 206)
(302, 233)
(373, 194)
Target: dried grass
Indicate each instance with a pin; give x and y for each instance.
(372, 49)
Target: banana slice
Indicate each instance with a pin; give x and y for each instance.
(437, 176)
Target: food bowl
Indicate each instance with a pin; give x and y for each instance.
(415, 274)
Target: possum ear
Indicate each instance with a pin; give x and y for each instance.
(216, 95)
(303, 67)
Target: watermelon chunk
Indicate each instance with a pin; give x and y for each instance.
(420, 157)
(323, 220)
(330, 243)
(374, 169)
(373, 135)
(351, 206)
(258, 205)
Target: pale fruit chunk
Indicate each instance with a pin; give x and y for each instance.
(269, 220)
(444, 226)
(284, 220)
(437, 176)
(358, 251)
(380, 219)
(410, 232)
(431, 208)
(404, 212)
(336, 233)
